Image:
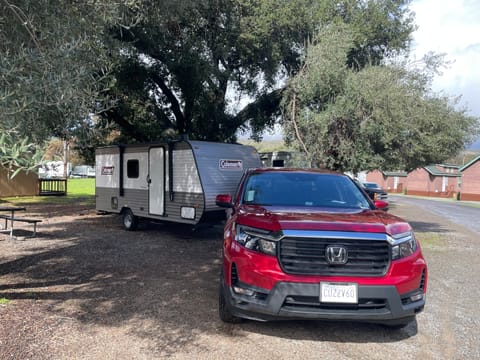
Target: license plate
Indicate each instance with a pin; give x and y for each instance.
(343, 293)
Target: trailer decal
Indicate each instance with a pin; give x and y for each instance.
(107, 170)
(225, 164)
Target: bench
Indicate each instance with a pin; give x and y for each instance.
(20, 219)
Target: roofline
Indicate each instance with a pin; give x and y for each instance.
(449, 166)
(471, 162)
(394, 173)
(440, 173)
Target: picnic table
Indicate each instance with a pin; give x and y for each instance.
(11, 218)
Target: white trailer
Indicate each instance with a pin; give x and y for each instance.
(175, 181)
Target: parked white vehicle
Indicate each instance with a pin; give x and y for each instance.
(82, 171)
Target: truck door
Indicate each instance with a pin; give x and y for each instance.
(156, 180)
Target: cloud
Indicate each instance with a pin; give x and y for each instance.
(447, 25)
(451, 27)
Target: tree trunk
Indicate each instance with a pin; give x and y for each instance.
(66, 147)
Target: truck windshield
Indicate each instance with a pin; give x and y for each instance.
(303, 190)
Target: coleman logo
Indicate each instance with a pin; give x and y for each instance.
(107, 170)
(336, 255)
(225, 164)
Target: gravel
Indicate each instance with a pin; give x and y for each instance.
(84, 288)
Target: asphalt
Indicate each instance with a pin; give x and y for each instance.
(459, 212)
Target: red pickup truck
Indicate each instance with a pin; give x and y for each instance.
(310, 244)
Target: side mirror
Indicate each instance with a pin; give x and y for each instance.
(224, 201)
(381, 205)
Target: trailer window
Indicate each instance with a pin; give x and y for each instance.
(133, 169)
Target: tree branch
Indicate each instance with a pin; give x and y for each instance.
(297, 131)
(265, 106)
(174, 104)
(112, 114)
(22, 18)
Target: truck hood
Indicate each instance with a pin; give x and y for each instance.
(275, 218)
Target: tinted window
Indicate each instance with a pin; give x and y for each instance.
(303, 190)
(133, 169)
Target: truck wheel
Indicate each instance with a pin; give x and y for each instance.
(130, 221)
(223, 310)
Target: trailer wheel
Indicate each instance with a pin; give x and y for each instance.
(130, 221)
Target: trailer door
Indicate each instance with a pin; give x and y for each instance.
(156, 180)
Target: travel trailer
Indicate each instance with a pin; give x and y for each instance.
(175, 181)
(53, 170)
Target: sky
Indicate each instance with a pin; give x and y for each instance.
(452, 27)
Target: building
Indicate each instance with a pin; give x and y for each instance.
(391, 181)
(434, 180)
(470, 189)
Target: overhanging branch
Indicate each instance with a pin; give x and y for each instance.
(297, 130)
(172, 99)
(261, 109)
(113, 115)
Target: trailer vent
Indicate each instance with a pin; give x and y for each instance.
(114, 202)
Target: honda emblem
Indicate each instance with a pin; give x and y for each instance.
(336, 255)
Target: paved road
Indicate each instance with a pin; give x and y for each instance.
(457, 212)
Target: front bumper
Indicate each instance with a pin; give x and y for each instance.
(290, 301)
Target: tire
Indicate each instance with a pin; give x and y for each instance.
(223, 311)
(130, 221)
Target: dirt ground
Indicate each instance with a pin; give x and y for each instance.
(84, 288)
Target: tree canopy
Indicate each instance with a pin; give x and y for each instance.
(53, 66)
(143, 70)
(380, 116)
(54, 71)
(161, 68)
(183, 64)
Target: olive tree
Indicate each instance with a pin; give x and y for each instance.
(383, 115)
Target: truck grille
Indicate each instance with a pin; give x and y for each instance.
(306, 256)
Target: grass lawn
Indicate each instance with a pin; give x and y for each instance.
(78, 190)
(81, 187)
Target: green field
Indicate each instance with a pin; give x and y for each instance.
(81, 187)
(78, 190)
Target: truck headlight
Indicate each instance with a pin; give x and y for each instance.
(256, 239)
(403, 245)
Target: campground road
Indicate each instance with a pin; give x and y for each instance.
(87, 289)
(456, 212)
